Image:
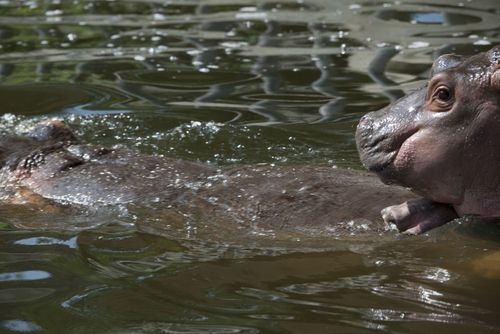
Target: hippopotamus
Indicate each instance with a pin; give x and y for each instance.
(442, 141)
(49, 166)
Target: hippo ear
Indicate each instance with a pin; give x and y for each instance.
(445, 62)
(494, 55)
(495, 78)
(52, 130)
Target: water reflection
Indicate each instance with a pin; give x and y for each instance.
(296, 52)
(267, 41)
(20, 326)
(29, 275)
(116, 269)
(155, 327)
(242, 82)
(37, 241)
(431, 17)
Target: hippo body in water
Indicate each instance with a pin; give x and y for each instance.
(442, 141)
(50, 165)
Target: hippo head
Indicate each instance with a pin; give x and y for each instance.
(443, 140)
(44, 138)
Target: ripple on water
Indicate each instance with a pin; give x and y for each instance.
(23, 295)
(363, 282)
(430, 17)
(28, 275)
(20, 326)
(225, 83)
(162, 327)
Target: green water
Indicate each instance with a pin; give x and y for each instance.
(232, 82)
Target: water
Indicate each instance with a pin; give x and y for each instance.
(231, 82)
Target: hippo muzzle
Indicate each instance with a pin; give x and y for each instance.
(381, 134)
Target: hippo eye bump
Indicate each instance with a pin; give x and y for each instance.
(443, 94)
(442, 98)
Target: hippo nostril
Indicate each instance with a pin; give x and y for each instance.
(366, 120)
(365, 125)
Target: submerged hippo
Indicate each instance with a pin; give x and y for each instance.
(442, 141)
(50, 166)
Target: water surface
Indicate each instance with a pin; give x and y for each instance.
(232, 82)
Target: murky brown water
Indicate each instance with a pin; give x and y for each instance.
(230, 82)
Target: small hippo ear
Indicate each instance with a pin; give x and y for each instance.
(495, 78)
(52, 130)
(494, 55)
(445, 62)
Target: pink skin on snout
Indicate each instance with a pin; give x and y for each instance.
(418, 159)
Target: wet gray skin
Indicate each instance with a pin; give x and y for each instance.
(442, 141)
(49, 165)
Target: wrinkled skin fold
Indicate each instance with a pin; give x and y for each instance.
(442, 141)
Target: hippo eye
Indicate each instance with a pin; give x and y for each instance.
(442, 98)
(443, 94)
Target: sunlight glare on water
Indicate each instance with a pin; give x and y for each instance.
(230, 83)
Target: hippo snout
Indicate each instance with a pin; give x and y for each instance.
(364, 129)
(364, 134)
(380, 134)
(365, 124)
(371, 143)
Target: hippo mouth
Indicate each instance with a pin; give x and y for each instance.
(378, 153)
